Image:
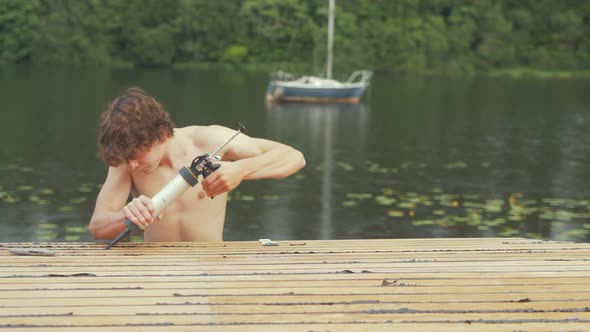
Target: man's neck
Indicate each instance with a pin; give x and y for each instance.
(173, 151)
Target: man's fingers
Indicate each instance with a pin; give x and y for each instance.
(129, 215)
(148, 203)
(136, 214)
(211, 178)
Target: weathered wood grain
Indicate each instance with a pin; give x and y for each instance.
(477, 284)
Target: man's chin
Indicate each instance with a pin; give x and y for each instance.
(149, 171)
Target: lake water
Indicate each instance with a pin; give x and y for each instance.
(420, 157)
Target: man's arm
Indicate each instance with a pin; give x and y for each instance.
(107, 219)
(253, 158)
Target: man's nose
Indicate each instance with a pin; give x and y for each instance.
(133, 164)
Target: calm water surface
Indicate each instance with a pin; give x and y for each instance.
(420, 157)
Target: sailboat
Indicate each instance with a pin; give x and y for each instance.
(285, 87)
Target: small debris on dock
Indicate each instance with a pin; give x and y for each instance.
(267, 242)
(32, 252)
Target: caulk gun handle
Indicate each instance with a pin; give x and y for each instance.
(133, 227)
(208, 170)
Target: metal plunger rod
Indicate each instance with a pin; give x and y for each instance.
(241, 129)
(186, 178)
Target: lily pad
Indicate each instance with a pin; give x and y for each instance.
(383, 200)
(395, 213)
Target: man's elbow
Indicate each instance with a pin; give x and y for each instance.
(300, 160)
(96, 231)
(93, 229)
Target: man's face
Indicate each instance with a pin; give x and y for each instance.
(146, 161)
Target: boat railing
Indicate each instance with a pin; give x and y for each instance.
(360, 76)
(282, 76)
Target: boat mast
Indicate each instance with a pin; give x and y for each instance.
(330, 39)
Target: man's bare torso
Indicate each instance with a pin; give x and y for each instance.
(193, 216)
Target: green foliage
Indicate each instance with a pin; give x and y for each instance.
(451, 36)
(19, 25)
(235, 54)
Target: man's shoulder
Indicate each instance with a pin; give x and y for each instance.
(204, 137)
(203, 132)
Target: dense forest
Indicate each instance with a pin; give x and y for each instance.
(463, 36)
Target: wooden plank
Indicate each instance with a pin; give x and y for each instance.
(297, 318)
(59, 284)
(454, 307)
(483, 326)
(292, 298)
(299, 289)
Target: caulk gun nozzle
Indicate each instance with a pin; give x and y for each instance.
(118, 239)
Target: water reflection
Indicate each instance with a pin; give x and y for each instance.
(323, 124)
(423, 157)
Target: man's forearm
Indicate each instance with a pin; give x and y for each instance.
(106, 225)
(277, 162)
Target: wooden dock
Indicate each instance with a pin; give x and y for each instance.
(474, 284)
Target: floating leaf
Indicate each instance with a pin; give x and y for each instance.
(72, 238)
(422, 222)
(25, 188)
(247, 198)
(359, 196)
(26, 169)
(78, 200)
(395, 213)
(270, 197)
(387, 191)
(507, 232)
(375, 168)
(459, 164)
(494, 205)
(47, 191)
(85, 188)
(515, 217)
(76, 229)
(382, 200)
(10, 199)
(66, 208)
(8, 167)
(407, 205)
(344, 166)
(47, 226)
(349, 203)
(439, 212)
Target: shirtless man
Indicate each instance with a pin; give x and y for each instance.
(144, 152)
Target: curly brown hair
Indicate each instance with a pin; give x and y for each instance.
(132, 123)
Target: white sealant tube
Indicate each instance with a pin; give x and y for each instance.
(169, 194)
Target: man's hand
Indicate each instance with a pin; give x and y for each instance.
(140, 211)
(224, 179)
